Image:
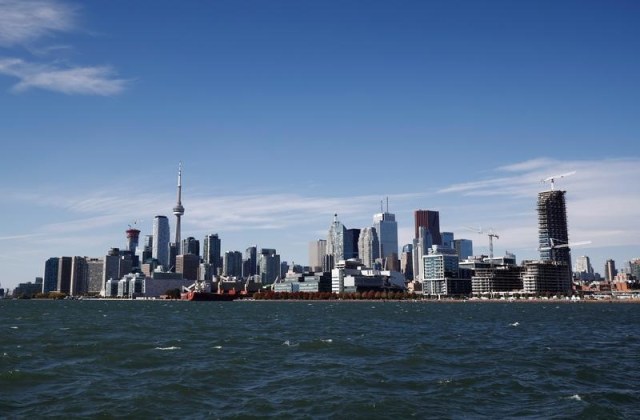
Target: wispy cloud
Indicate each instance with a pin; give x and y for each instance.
(25, 22)
(71, 81)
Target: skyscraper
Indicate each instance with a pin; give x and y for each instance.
(430, 220)
(269, 263)
(610, 270)
(178, 210)
(552, 227)
(232, 263)
(368, 246)
(64, 275)
(335, 240)
(583, 268)
(317, 251)
(447, 239)
(161, 234)
(387, 229)
(211, 252)
(250, 262)
(79, 284)
(191, 245)
(351, 243)
(463, 247)
(50, 279)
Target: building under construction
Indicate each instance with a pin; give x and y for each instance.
(553, 273)
(490, 279)
(543, 277)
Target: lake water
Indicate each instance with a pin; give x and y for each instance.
(319, 359)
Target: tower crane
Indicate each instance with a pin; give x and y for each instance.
(552, 179)
(490, 233)
(554, 245)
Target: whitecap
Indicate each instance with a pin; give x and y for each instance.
(575, 397)
(289, 343)
(168, 348)
(14, 327)
(64, 328)
(328, 340)
(515, 324)
(217, 347)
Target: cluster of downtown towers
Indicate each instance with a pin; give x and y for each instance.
(375, 247)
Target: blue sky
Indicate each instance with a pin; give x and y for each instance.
(285, 112)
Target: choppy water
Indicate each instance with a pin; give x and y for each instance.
(320, 359)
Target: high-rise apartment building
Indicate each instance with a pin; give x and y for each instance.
(211, 252)
(95, 275)
(583, 268)
(430, 220)
(79, 284)
(50, 279)
(64, 275)
(161, 234)
(369, 246)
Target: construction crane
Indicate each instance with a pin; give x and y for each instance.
(490, 233)
(552, 179)
(554, 245)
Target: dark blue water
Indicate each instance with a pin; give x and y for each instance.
(320, 359)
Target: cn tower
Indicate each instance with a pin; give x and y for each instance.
(178, 210)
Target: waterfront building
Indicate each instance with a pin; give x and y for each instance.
(336, 240)
(232, 264)
(95, 275)
(634, 268)
(545, 277)
(317, 252)
(79, 284)
(553, 233)
(250, 262)
(117, 263)
(212, 252)
(368, 246)
(50, 279)
(269, 265)
(489, 278)
(64, 275)
(430, 220)
(349, 276)
(161, 234)
(187, 265)
(464, 248)
(304, 282)
(28, 289)
(442, 274)
(204, 272)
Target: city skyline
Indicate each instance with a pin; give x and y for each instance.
(284, 114)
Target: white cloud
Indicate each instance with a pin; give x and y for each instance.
(25, 21)
(74, 80)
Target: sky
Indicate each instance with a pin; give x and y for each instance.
(286, 112)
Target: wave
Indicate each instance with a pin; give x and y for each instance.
(168, 348)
